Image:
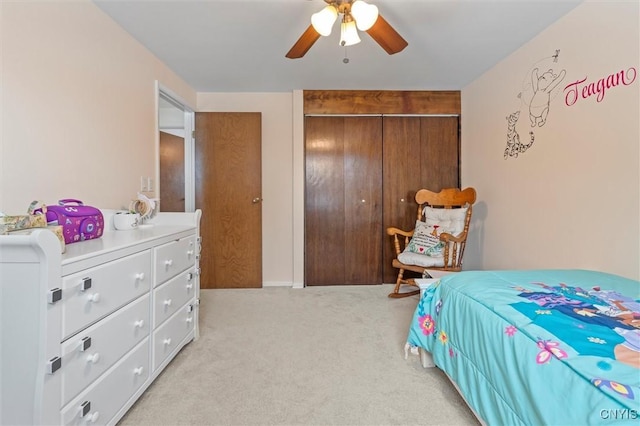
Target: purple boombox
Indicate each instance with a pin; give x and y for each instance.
(79, 222)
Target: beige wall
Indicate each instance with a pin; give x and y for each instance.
(78, 119)
(78, 106)
(277, 174)
(572, 199)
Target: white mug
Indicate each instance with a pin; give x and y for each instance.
(124, 221)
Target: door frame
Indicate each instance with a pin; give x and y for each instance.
(162, 91)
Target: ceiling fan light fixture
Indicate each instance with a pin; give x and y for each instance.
(357, 15)
(364, 13)
(348, 33)
(323, 21)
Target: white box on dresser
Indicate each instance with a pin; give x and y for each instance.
(83, 334)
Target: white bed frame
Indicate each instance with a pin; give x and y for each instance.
(426, 360)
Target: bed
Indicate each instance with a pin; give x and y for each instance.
(539, 347)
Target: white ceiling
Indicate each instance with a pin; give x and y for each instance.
(239, 45)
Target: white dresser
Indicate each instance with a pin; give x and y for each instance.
(84, 333)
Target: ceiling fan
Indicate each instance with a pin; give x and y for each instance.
(356, 15)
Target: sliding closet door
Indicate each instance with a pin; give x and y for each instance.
(363, 200)
(343, 200)
(419, 152)
(401, 166)
(440, 152)
(324, 200)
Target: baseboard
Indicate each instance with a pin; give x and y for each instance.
(276, 284)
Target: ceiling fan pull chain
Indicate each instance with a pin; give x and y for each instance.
(345, 60)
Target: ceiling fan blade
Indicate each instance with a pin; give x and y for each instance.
(303, 44)
(386, 36)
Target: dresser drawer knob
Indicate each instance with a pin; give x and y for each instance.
(167, 341)
(95, 298)
(168, 263)
(138, 371)
(189, 320)
(139, 323)
(93, 358)
(93, 417)
(140, 276)
(167, 302)
(189, 286)
(190, 253)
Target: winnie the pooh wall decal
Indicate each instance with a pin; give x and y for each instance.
(543, 85)
(514, 145)
(539, 87)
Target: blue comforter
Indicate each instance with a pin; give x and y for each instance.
(543, 347)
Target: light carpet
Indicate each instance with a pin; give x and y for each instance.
(312, 356)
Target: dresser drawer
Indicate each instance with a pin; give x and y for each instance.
(174, 257)
(168, 337)
(172, 295)
(91, 352)
(110, 393)
(112, 285)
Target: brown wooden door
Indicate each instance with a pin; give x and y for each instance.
(401, 148)
(228, 190)
(419, 152)
(343, 200)
(172, 172)
(439, 153)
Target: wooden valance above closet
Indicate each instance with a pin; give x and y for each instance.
(381, 102)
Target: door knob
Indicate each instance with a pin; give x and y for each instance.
(256, 200)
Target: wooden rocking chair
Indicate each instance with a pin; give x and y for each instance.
(450, 207)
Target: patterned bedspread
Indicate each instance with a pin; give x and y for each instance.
(553, 347)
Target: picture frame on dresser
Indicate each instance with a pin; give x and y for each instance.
(84, 333)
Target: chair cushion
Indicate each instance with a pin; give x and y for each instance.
(425, 248)
(416, 259)
(449, 220)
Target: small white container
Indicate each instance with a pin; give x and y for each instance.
(125, 221)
